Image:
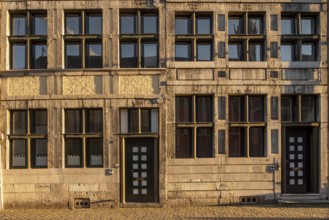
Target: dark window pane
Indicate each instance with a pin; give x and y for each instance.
(221, 141)
(308, 108)
(204, 109)
(221, 49)
(94, 120)
(287, 25)
(149, 55)
(236, 109)
(183, 109)
(149, 24)
(274, 49)
(73, 121)
(275, 141)
(203, 25)
(274, 74)
(19, 153)
(256, 142)
(146, 120)
(94, 55)
(18, 25)
(235, 25)
(184, 143)
(274, 107)
(235, 52)
(204, 142)
(308, 52)
(19, 56)
(94, 24)
(39, 56)
(287, 52)
(128, 24)
(39, 153)
(289, 108)
(94, 151)
(204, 51)
(237, 143)
(73, 24)
(308, 25)
(255, 51)
(221, 107)
(221, 22)
(183, 51)
(255, 25)
(274, 22)
(73, 152)
(19, 121)
(38, 122)
(256, 108)
(73, 55)
(183, 25)
(39, 25)
(128, 55)
(133, 120)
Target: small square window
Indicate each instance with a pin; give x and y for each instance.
(73, 121)
(308, 51)
(149, 54)
(128, 55)
(288, 52)
(73, 24)
(133, 122)
(39, 25)
(19, 121)
(94, 55)
(236, 109)
(39, 55)
(255, 25)
(289, 108)
(73, 152)
(149, 24)
(128, 24)
(93, 24)
(204, 51)
(308, 25)
(73, 55)
(288, 25)
(256, 109)
(39, 153)
(255, 51)
(308, 108)
(94, 120)
(203, 108)
(237, 142)
(18, 56)
(19, 153)
(203, 25)
(183, 51)
(183, 109)
(256, 142)
(204, 142)
(94, 152)
(183, 25)
(18, 25)
(235, 25)
(235, 51)
(184, 143)
(38, 122)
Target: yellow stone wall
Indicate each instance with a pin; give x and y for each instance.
(138, 85)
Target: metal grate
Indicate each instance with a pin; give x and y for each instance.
(249, 200)
(81, 203)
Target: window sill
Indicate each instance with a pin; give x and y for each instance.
(194, 64)
(301, 64)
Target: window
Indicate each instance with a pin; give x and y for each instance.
(28, 139)
(246, 39)
(299, 37)
(194, 37)
(139, 120)
(83, 138)
(194, 126)
(300, 108)
(28, 41)
(139, 41)
(247, 126)
(83, 40)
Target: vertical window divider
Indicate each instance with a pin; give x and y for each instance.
(84, 138)
(83, 40)
(298, 26)
(299, 104)
(28, 139)
(194, 141)
(27, 51)
(139, 121)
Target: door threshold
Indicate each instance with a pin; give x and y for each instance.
(140, 205)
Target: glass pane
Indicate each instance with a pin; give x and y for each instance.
(204, 142)
(19, 153)
(204, 109)
(184, 143)
(18, 56)
(221, 22)
(183, 25)
(274, 49)
(287, 52)
(289, 108)
(235, 25)
(39, 153)
(150, 55)
(149, 24)
(94, 55)
(183, 51)
(274, 22)
(18, 25)
(275, 141)
(308, 25)
(308, 52)
(19, 122)
(204, 52)
(203, 25)
(236, 109)
(184, 109)
(94, 24)
(255, 52)
(256, 142)
(94, 152)
(221, 141)
(73, 55)
(255, 25)
(287, 25)
(73, 24)
(221, 107)
(94, 120)
(237, 142)
(128, 55)
(39, 25)
(274, 107)
(39, 56)
(235, 51)
(128, 24)
(73, 152)
(73, 121)
(133, 120)
(256, 109)
(308, 109)
(38, 122)
(146, 120)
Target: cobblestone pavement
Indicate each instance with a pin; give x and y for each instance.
(218, 212)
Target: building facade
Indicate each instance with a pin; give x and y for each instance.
(177, 102)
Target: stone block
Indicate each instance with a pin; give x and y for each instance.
(178, 202)
(76, 85)
(24, 188)
(44, 187)
(27, 85)
(83, 187)
(137, 85)
(195, 74)
(248, 74)
(204, 202)
(300, 74)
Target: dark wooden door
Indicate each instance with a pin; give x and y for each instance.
(297, 164)
(141, 170)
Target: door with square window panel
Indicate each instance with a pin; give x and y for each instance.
(141, 170)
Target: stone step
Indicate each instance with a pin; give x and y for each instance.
(303, 202)
(304, 196)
